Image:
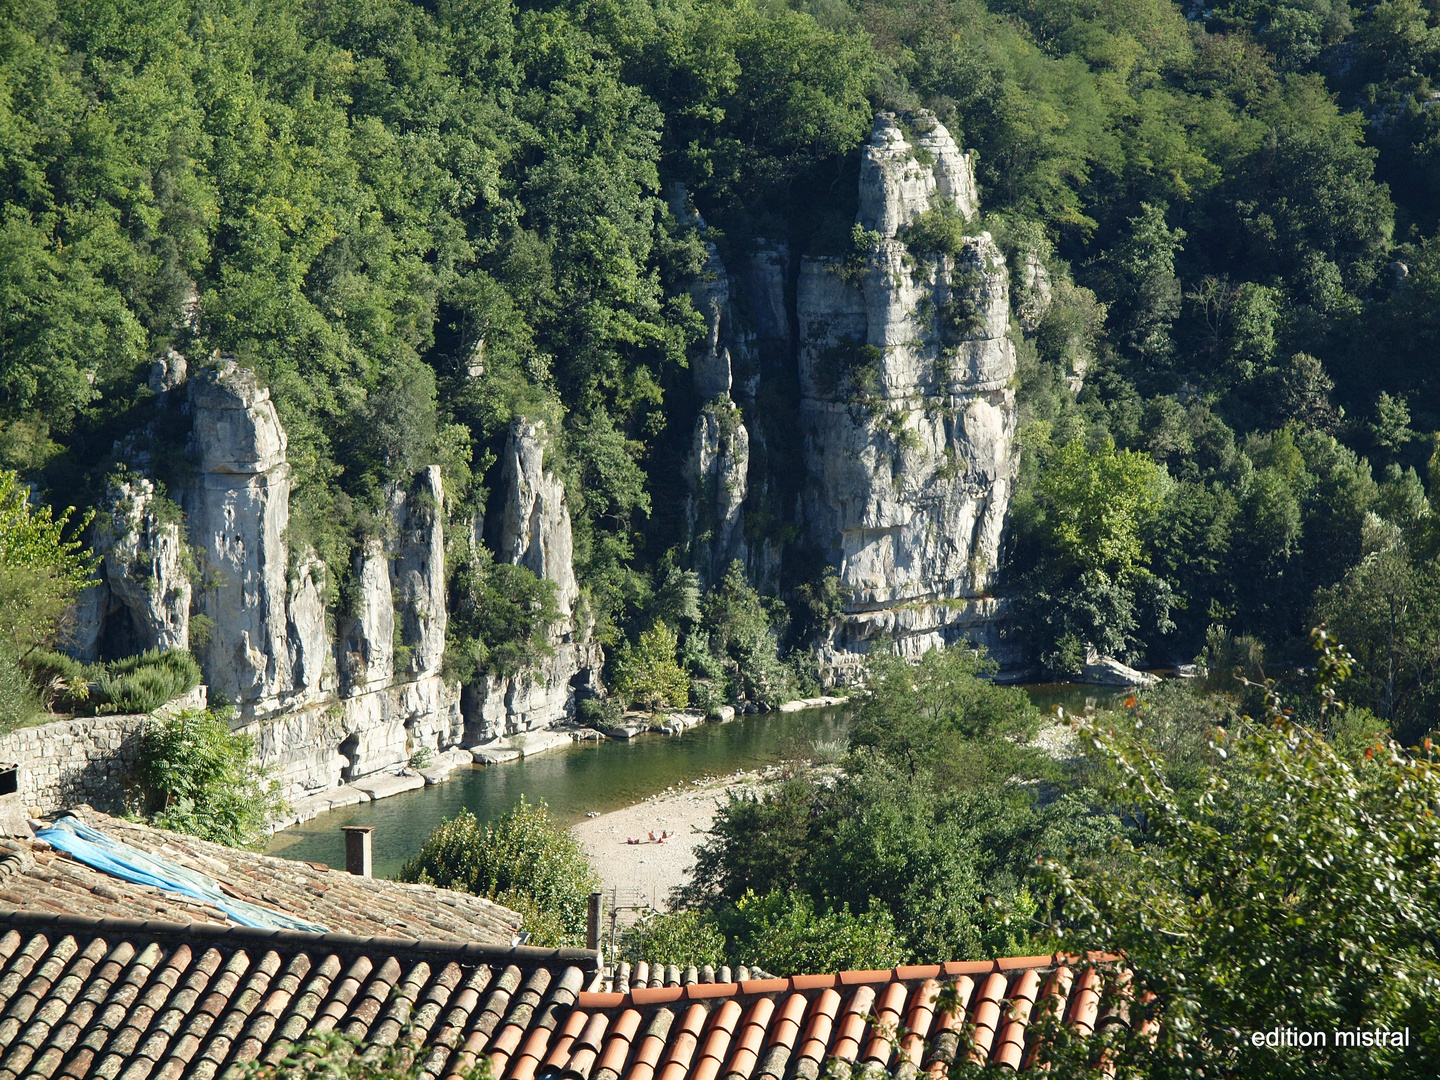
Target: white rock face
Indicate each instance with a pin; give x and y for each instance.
(368, 659)
(238, 509)
(535, 533)
(268, 649)
(1037, 293)
(710, 363)
(312, 664)
(897, 186)
(535, 521)
(716, 473)
(908, 413)
(144, 567)
(418, 573)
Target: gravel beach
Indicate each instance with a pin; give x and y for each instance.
(644, 873)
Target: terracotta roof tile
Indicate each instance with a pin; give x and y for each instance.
(132, 1000)
(651, 1046)
(122, 999)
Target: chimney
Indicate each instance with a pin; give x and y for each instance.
(592, 926)
(357, 848)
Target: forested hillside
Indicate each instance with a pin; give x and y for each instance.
(417, 221)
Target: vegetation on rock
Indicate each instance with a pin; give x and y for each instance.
(41, 572)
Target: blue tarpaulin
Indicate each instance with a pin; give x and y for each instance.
(95, 849)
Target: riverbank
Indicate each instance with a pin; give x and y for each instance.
(646, 872)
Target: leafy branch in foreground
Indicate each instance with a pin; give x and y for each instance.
(201, 778)
(1296, 889)
(332, 1055)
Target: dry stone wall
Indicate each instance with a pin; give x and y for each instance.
(90, 760)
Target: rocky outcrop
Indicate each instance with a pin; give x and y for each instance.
(238, 508)
(710, 363)
(908, 409)
(1036, 292)
(321, 713)
(368, 654)
(718, 466)
(717, 474)
(534, 532)
(417, 573)
(312, 664)
(535, 519)
(900, 180)
(142, 598)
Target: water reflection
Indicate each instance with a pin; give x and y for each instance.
(595, 777)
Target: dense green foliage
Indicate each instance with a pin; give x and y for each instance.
(523, 860)
(500, 616)
(923, 845)
(197, 776)
(420, 221)
(41, 572)
(1293, 886)
(647, 674)
(134, 685)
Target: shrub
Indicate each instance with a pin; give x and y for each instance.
(742, 638)
(647, 673)
(500, 619)
(40, 574)
(136, 684)
(1295, 890)
(940, 231)
(199, 777)
(18, 704)
(141, 684)
(782, 933)
(679, 937)
(524, 860)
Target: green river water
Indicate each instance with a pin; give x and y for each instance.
(594, 777)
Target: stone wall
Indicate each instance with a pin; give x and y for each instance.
(90, 760)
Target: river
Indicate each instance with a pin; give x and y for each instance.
(595, 777)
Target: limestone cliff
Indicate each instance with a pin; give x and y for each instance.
(535, 532)
(141, 599)
(535, 521)
(907, 406)
(417, 572)
(717, 472)
(238, 509)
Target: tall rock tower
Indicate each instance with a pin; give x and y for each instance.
(907, 405)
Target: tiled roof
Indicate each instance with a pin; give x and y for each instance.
(35, 877)
(792, 1028)
(133, 1000)
(126, 999)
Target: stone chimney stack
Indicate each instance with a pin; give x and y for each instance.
(357, 848)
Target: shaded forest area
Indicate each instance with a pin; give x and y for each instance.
(419, 220)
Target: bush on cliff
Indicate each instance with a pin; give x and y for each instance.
(137, 684)
(41, 573)
(500, 619)
(524, 860)
(199, 777)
